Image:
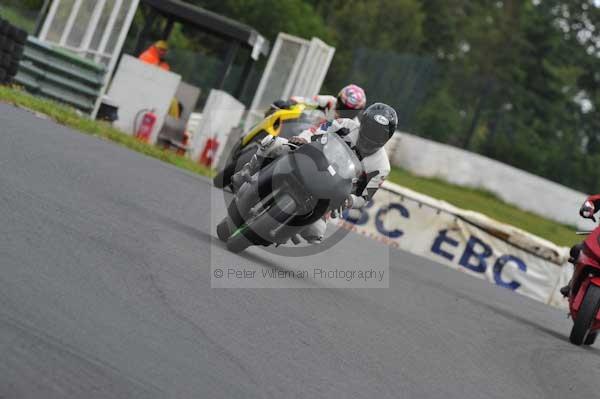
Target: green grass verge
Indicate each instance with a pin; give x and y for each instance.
(467, 198)
(488, 204)
(69, 117)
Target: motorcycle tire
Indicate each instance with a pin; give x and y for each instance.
(5, 62)
(18, 51)
(8, 46)
(223, 229)
(586, 316)
(258, 228)
(238, 242)
(5, 55)
(13, 69)
(591, 338)
(13, 32)
(19, 36)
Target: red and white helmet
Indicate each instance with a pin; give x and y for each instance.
(351, 97)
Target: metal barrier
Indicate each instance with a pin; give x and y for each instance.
(60, 75)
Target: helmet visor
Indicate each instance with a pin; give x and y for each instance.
(372, 136)
(343, 110)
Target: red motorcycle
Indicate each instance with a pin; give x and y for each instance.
(584, 292)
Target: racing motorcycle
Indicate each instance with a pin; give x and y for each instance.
(584, 293)
(291, 192)
(284, 123)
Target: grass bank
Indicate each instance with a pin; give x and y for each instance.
(488, 204)
(69, 117)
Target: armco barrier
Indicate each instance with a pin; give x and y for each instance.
(465, 241)
(60, 75)
(12, 40)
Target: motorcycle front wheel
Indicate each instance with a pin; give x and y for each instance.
(581, 332)
(257, 230)
(591, 338)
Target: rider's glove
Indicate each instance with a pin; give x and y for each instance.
(343, 132)
(588, 210)
(279, 104)
(297, 140)
(347, 204)
(284, 104)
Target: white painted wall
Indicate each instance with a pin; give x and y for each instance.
(221, 113)
(524, 190)
(138, 86)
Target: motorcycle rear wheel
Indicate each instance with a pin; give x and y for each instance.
(585, 317)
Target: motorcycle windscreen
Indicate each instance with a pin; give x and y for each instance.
(293, 127)
(327, 169)
(342, 160)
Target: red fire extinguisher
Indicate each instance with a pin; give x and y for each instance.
(144, 131)
(208, 153)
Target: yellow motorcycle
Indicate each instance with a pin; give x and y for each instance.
(278, 122)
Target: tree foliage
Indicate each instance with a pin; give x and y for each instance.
(515, 80)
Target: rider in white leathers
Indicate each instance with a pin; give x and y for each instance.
(350, 101)
(367, 138)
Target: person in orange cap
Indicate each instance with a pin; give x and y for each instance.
(155, 55)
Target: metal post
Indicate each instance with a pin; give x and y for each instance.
(41, 17)
(109, 28)
(227, 64)
(115, 53)
(70, 22)
(49, 19)
(123, 34)
(168, 29)
(92, 26)
(305, 82)
(293, 75)
(324, 67)
(144, 32)
(266, 75)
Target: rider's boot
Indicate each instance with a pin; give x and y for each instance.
(573, 256)
(269, 148)
(314, 233)
(565, 290)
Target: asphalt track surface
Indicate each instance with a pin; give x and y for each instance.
(105, 292)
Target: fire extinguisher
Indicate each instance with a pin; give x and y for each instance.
(144, 131)
(208, 153)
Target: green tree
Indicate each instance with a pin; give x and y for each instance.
(515, 69)
(516, 80)
(380, 25)
(270, 17)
